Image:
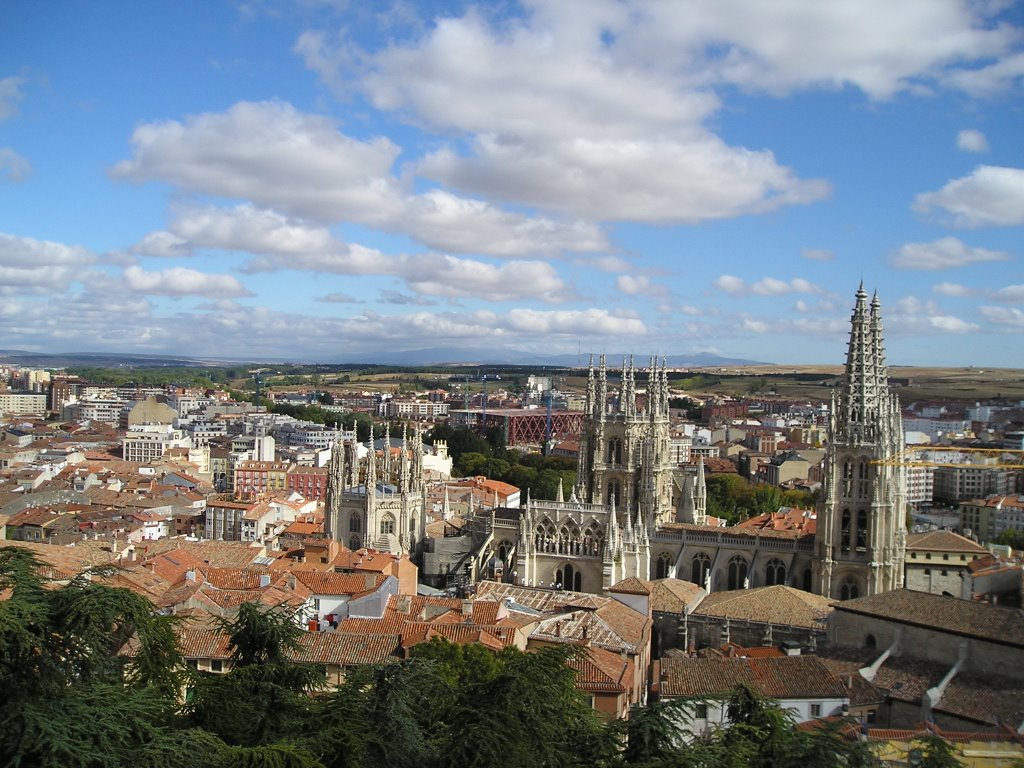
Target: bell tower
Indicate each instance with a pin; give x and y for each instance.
(861, 531)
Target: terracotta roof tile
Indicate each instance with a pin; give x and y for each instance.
(785, 677)
(775, 605)
(948, 614)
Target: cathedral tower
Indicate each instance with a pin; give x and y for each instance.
(861, 528)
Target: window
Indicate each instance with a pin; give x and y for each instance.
(849, 590)
(663, 564)
(737, 572)
(815, 710)
(216, 665)
(699, 567)
(387, 525)
(775, 573)
(355, 525)
(701, 711)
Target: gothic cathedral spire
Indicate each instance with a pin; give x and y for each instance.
(861, 524)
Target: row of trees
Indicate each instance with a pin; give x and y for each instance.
(474, 454)
(92, 679)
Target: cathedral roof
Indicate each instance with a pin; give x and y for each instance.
(943, 613)
(779, 605)
(674, 595)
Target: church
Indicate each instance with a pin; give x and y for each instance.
(631, 514)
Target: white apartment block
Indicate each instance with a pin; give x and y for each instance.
(105, 410)
(414, 409)
(920, 485)
(147, 442)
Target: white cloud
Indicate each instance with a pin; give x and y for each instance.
(271, 154)
(10, 96)
(971, 140)
(437, 275)
(446, 222)
(35, 266)
(954, 290)
(655, 180)
(770, 286)
(1013, 294)
(573, 322)
(178, 281)
(730, 284)
(817, 254)
(281, 159)
(13, 167)
(945, 253)
(1001, 75)
(1008, 316)
(162, 243)
(247, 228)
(910, 315)
(990, 196)
(640, 285)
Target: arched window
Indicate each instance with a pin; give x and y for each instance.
(849, 590)
(862, 530)
(615, 451)
(699, 567)
(774, 573)
(569, 538)
(663, 566)
(354, 543)
(844, 531)
(387, 524)
(592, 538)
(808, 580)
(569, 578)
(544, 536)
(355, 524)
(504, 550)
(737, 572)
(870, 642)
(847, 478)
(862, 479)
(614, 493)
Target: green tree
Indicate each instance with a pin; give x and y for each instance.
(264, 698)
(73, 695)
(932, 751)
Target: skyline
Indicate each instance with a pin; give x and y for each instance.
(315, 181)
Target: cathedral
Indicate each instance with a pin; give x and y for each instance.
(376, 501)
(632, 514)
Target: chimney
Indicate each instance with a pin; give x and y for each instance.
(371, 580)
(467, 608)
(404, 604)
(190, 575)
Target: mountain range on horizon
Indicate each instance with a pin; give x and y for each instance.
(431, 356)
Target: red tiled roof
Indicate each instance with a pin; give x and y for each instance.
(784, 677)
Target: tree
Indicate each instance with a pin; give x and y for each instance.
(930, 750)
(73, 694)
(264, 697)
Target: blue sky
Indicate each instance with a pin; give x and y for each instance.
(319, 181)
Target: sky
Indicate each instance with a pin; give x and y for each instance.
(322, 181)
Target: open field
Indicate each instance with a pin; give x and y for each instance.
(912, 383)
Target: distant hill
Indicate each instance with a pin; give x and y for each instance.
(490, 356)
(438, 356)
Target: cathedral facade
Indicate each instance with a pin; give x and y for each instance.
(632, 513)
(376, 500)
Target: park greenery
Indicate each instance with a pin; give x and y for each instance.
(92, 678)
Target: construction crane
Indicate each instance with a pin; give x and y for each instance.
(1005, 458)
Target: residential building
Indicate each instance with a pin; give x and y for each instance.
(985, 519)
